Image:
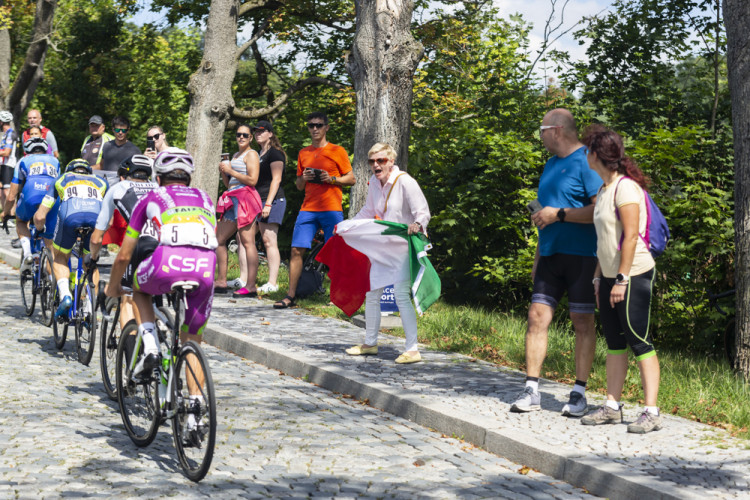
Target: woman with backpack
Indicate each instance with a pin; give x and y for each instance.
(623, 278)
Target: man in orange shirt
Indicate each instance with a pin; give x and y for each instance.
(322, 169)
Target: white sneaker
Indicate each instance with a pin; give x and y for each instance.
(236, 283)
(268, 288)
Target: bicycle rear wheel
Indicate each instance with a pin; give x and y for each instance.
(28, 293)
(85, 321)
(139, 407)
(48, 291)
(194, 423)
(59, 330)
(109, 338)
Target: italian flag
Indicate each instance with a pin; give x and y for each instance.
(366, 254)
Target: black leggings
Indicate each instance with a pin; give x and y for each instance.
(627, 323)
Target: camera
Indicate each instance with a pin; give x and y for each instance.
(150, 144)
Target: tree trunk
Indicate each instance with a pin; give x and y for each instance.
(381, 64)
(5, 51)
(737, 21)
(210, 90)
(18, 97)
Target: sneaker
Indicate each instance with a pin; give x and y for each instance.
(64, 307)
(646, 422)
(15, 242)
(268, 288)
(145, 365)
(603, 415)
(528, 400)
(576, 406)
(236, 283)
(244, 293)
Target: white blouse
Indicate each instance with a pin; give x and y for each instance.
(406, 202)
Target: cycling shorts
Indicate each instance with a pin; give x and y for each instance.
(308, 223)
(65, 231)
(560, 273)
(167, 265)
(6, 175)
(627, 323)
(144, 247)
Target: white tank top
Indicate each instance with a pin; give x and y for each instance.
(238, 165)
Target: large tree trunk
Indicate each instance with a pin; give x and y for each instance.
(17, 98)
(381, 64)
(737, 21)
(210, 89)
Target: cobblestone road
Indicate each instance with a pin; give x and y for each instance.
(277, 437)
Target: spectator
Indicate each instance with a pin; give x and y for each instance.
(565, 258)
(35, 120)
(272, 162)
(239, 206)
(114, 152)
(8, 140)
(393, 196)
(623, 278)
(92, 147)
(155, 133)
(322, 169)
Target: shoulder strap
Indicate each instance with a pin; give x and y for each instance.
(648, 214)
(390, 191)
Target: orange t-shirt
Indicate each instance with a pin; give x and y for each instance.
(334, 160)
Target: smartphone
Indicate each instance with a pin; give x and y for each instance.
(224, 156)
(150, 144)
(534, 206)
(316, 179)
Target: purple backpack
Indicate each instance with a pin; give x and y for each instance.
(657, 230)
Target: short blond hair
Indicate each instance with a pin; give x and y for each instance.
(382, 146)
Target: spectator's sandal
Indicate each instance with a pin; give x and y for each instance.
(283, 304)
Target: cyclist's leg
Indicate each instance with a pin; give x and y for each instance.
(24, 212)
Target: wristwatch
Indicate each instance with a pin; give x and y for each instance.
(332, 180)
(561, 215)
(621, 279)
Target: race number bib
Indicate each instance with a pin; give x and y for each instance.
(42, 168)
(83, 190)
(188, 226)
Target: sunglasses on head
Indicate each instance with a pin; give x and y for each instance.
(154, 137)
(315, 125)
(243, 134)
(379, 161)
(121, 130)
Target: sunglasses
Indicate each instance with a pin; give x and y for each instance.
(243, 134)
(547, 127)
(315, 125)
(121, 130)
(379, 161)
(154, 137)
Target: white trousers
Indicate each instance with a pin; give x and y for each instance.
(402, 292)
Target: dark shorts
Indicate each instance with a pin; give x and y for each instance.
(278, 210)
(560, 273)
(6, 175)
(144, 247)
(65, 231)
(627, 323)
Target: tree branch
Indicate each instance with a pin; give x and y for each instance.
(254, 5)
(254, 113)
(254, 39)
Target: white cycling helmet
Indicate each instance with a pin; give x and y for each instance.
(33, 144)
(6, 116)
(173, 159)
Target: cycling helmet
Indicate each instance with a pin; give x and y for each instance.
(6, 116)
(35, 144)
(79, 163)
(136, 163)
(174, 159)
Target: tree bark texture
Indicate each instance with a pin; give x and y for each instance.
(737, 21)
(17, 98)
(210, 90)
(381, 64)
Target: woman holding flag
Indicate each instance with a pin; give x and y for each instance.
(392, 196)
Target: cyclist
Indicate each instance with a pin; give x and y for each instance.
(33, 176)
(135, 174)
(81, 194)
(8, 138)
(185, 224)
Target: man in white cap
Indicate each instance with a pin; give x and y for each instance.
(91, 150)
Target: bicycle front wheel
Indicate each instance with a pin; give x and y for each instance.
(48, 291)
(139, 406)
(85, 321)
(28, 294)
(109, 338)
(194, 422)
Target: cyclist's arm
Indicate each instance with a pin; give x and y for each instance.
(11, 199)
(48, 202)
(4, 152)
(114, 289)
